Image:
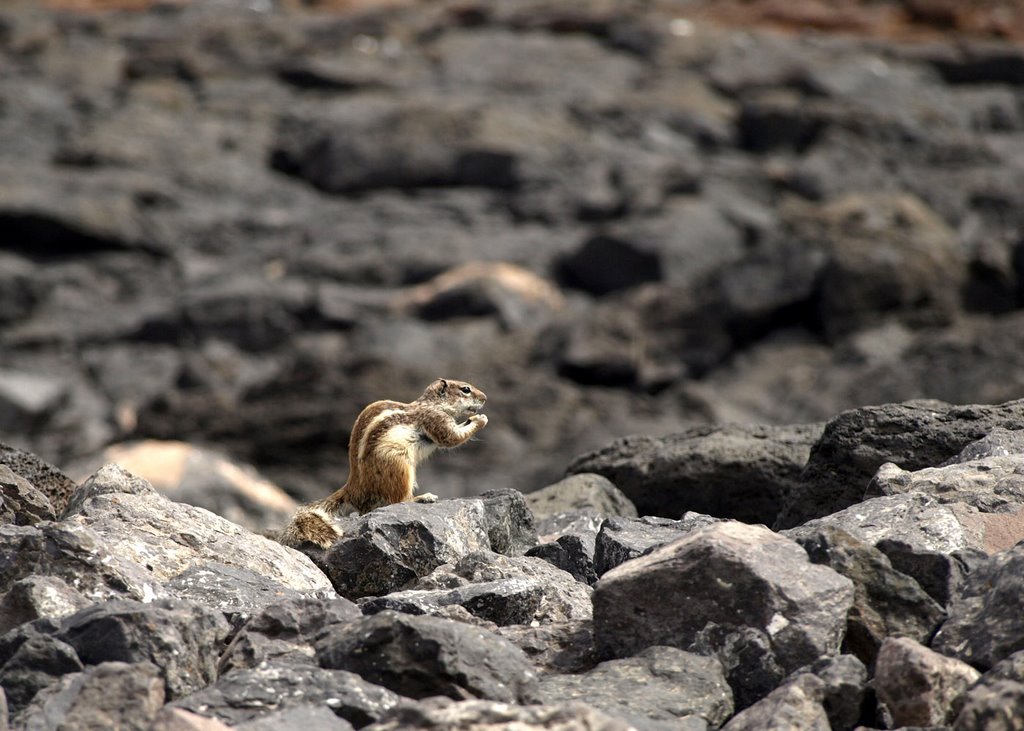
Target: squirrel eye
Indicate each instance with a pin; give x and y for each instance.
(466, 389)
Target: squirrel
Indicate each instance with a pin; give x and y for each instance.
(388, 440)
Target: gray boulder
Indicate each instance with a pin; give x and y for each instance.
(748, 593)
(297, 718)
(914, 435)
(283, 633)
(985, 624)
(423, 656)
(54, 484)
(886, 602)
(917, 686)
(475, 715)
(38, 596)
(991, 706)
(109, 695)
(796, 705)
(582, 492)
(740, 472)
(659, 683)
(623, 539)
(20, 502)
(32, 658)
(990, 484)
(182, 640)
(500, 589)
(999, 442)
(560, 647)
(571, 552)
(246, 695)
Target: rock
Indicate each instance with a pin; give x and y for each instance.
(917, 686)
(735, 472)
(435, 713)
(997, 443)
(845, 688)
(793, 705)
(54, 484)
(659, 683)
(171, 542)
(35, 597)
(886, 602)
(720, 574)
(188, 474)
(182, 640)
(559, 647)
(32, 658)
(241, 696)
(996, 705)
(579, 493)
(20, 502)
(623, 539)
(500, 589)
(390, 547)
(423, 656)
(110, 695)
(983, 627)
(914, 435)
(992, 485)
(298, 718)
(177, 719)
(509, 522)
(284, 632)
(572, 553)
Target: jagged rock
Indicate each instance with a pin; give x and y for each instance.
(917, 686)
(886, 602)
(659, 683)
(845, 687)
(110, 695)
(298, 718)
(623, 539)
(914, 435)
(472, 715)
(424, 656)
(509, 522)
(572, 553)
(32, 658)
(246, 695)
(999, 442)
(990, 706)
(183, 640)
(189, 474)
(390, 547)
(992, 485)
(929, 541)
(744, 588)
(500, 589)
(176, 546)
(283, 632)
(984, 625)
(793, 705)
(54, 484)
(729, 472)
(38, 596)
(178, 719)
(20, 502)
(560, 647)
(582, 492)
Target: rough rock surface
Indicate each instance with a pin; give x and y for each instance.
(622, 539)
(735, 472)
(423, 656)
(566, 647)
(659, 683)
(477, 714)
(918, 687)
(991, 484)
(582, 492)
(744, 588)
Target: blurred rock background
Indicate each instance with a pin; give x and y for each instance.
(236, 222)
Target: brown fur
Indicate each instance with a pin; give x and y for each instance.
(388, 440)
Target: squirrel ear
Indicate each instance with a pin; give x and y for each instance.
(444, 385)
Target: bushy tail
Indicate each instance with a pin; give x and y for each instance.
(310, 524)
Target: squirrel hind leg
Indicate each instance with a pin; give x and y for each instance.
(309, 527)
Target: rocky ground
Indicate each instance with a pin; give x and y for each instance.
(885, 597)
(236, 223)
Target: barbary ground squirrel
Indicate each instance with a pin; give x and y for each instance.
(388, 440)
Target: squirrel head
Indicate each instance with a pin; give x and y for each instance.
(458, 398)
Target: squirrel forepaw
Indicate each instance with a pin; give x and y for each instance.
(427, 497)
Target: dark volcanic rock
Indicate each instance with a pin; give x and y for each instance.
(984, 625)
(856, 443)
(245, 695)
(623, 539)
(885, 602)
(182, 640)
(20, 502)
(917, 686)
(746, 590)
(736, 472)
(435, 713)
(581, 493)
(35, 597)
(991, 484)
(54, 484)
(32, 658)
(565, 647)
(423, 656)
(659, 683)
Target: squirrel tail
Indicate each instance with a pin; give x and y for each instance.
(309, 525)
